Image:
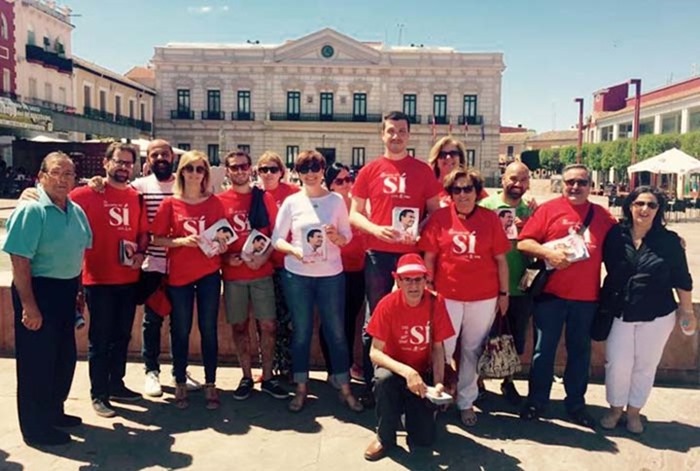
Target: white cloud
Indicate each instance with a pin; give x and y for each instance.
(201, 10)
(224, 8)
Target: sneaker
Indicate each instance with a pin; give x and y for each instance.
(273, 388)
(510, 393)
(103, 408)
(151, 386)
(124, 394)
(244, 389)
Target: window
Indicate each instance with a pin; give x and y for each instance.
(671, 124)
(293, 105)
(87, 96)
(183, 145)
(440, 109)
(103, 100)
(62, 96)
(243, 104)
(244, 148)
(509, 153)
(132, 110)
(411, 151)
(6, 80)
(48, 92)
(469, 105)
(694, 120)
(326, 110)
(32, 88)
(3, 26)
(409, 105)
(606, 133)
(359, 106)
(183, 99)
(471, 158)
(213, 154)
(47, 43)
(646, 126)
(624, 131)
(142, 112)
(358, 156)
(31, 37)
(292, 152)
(117, 105)
(213, 101)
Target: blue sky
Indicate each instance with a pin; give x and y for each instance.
(554, 50)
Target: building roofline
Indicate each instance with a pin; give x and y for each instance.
(98, 69)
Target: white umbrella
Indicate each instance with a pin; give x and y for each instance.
(42, 138)
(672, 161)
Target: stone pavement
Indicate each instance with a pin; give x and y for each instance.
(260, 434)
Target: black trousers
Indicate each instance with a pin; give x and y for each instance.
(45, 357)
(112, 309)
(393, 399)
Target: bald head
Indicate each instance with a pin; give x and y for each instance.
(516, 180)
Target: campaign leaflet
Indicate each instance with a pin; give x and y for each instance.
(127, 251)
(256, 244)
(313, 243)
(575, 246)
(217, 238)
(507, 218)
(405, 221)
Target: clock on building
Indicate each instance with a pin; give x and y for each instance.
(327, 51)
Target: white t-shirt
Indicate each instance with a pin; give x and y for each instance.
(305, 218)
(153, 192)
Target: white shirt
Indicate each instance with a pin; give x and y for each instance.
(154, 192)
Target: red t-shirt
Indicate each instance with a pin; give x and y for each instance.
(236, 206)
(279, 194)
(552, 220)
(465, 269)
(175, 218)
(353, 254)
(114, 215)
(405, 330)
(389, 184)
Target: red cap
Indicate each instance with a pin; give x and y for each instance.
(411, 264)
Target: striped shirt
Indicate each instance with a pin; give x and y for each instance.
(153, 192)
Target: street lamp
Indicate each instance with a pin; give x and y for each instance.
(635, 124)
(579, 148)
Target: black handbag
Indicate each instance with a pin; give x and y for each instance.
(610, 305)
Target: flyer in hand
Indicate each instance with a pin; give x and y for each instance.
(405, 221)
(127, 250)
(256, 244)
(217, 238)
(314, 243)
(574, 245)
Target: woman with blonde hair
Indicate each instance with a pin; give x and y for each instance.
(192, 275)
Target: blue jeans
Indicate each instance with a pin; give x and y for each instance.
(378, 283)
(550, 315)
(327, 293)
(207, 291)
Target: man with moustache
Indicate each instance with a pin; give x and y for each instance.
(570, 295)
(116, 217)
(249, 281)
(515, 183)
(393, 180)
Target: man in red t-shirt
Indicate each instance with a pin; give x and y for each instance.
(247, 273)
(110, 275)
(408, 329)
(571, 293)
(384, 189)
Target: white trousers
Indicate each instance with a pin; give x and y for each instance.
(632, 354)
(472, 320)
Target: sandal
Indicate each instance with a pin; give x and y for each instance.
(211, 396)
(349, 400)
(468, 417)
(530, 412)
(181, 401)
(634, 424)
(611, 418)
(297, 402)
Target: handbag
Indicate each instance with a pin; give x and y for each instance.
(499, 358)
(610, 305)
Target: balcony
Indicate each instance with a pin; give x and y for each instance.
(415, 119)
(98, 114)
(441, 120)
(474, 119)
(242, 116)
(213, 115)
(10, 95)
(48, 58)
(181, 114)
(335, 117)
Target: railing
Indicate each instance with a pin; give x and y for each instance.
(242, 116)
(415, 119)
(98, 114)
(474, 119)
(335, 117)
(10, 95)
(50, 105)
(48, 58)
(181, 114)
(441, 119)
(213, 115)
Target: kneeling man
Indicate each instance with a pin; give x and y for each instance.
(407, 328)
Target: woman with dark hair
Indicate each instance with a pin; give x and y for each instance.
(317, 221)
(339, 180)
(645, 262)
(447, 154)
(465, 252)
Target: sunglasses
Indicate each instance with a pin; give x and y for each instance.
(268, 169)
(452, 153)
(574, 181)
(455, 190)
(648, 204)
(341, 181)
(313, 167)
(200, 169)
(239, 167)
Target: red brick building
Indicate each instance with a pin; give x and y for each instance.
(8, 80)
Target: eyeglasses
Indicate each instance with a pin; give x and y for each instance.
(268, 169)
(60, 175)
(239, 167)
(648, 204)
(200, 169)
(455, 190)
(313, 167)
(414, 280)
(452, 153)
(341, 181)
(122, 163)
(574, 181)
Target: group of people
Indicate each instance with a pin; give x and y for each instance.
(435, 257)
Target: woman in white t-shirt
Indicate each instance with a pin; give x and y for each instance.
(313, 273)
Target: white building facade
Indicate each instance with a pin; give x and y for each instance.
(325, 91)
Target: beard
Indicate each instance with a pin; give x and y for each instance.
(163, 170)
(119, 176)
(514, 193)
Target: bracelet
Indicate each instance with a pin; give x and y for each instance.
(503, 293)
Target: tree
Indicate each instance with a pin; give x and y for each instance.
(531, 158)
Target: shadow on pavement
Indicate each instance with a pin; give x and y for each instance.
(8, 465)
(674, 436)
